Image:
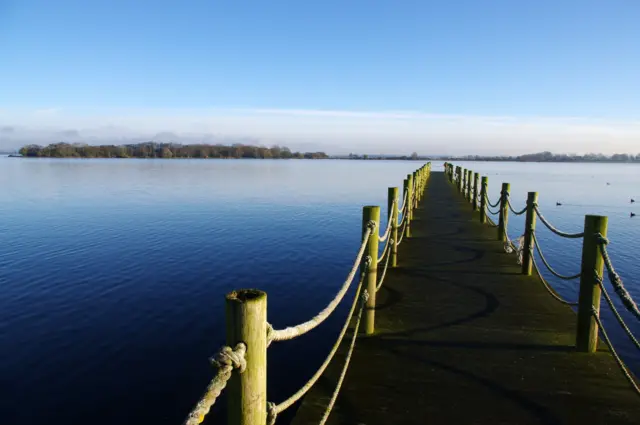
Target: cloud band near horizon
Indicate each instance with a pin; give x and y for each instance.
(388, 132)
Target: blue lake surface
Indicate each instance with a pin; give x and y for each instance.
(113, 272)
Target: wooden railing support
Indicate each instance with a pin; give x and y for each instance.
(483, 199)
(407, 233)
(589, 297)
(392, 213)
(503, 220)
(371, 214)
(246, 321)
(474, 201)
(529, 229)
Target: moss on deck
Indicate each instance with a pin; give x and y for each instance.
(463, 338)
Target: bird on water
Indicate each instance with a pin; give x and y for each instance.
(558, 204)
(632, 215)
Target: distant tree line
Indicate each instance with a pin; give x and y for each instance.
(414, 157)
(535, 157)
(165, 150)
(551, 157)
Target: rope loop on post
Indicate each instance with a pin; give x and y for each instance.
(226, 360)
(231, 357)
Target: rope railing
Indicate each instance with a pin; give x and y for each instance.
(492, 212)
(555, 230)
(345, 367)
(615, 279)
(226, 361)
(524, 210)
(275, 409)
(510, 247)
(616, 313)
(385, 249)
(384, 272)
(614, 353)
(402, 233)
(546, 263)
(387, 232)
(490, 204)
(548, 287)
(295, 331)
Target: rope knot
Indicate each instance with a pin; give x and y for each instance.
(601, 239)
(597, 277)
(272, 413)
(365, 296)
(270, 335)
(231, 357)
(371, 224)
(367, 261)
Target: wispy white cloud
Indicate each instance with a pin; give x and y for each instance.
(337, 131)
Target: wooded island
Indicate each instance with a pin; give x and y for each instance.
(165, 150)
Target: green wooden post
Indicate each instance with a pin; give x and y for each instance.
(464, 181)
(246, 321)
(371, 214)
(392, 213)
(412, 180)
(589, 298)
(476, 176)
(459, 176)
(503, 219)
(483, 199)
(468, 194)
(407, 233)
(529, 228)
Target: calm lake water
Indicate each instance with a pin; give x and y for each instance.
(113, 272)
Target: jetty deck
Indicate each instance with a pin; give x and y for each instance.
(462, 337)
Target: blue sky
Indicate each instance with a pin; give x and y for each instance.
(465, 76)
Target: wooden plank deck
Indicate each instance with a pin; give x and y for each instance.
(463, 338)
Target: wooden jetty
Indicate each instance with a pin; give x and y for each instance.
(452, 329)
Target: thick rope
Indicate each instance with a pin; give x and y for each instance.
(548, 287)
(402, 221)
(553, 229)
(301, 329)
(334, 397)
(226, 360)
(388, 231)
(489, 202)
(524, 210)
(623, 367)
(404, 201)
(547, 265)
(616, 313)
(491, 222)
(616, 282)
(384, 272)
(385, 250)
(274, 410)
(490, 211)
(402, 233)
(510, 247)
